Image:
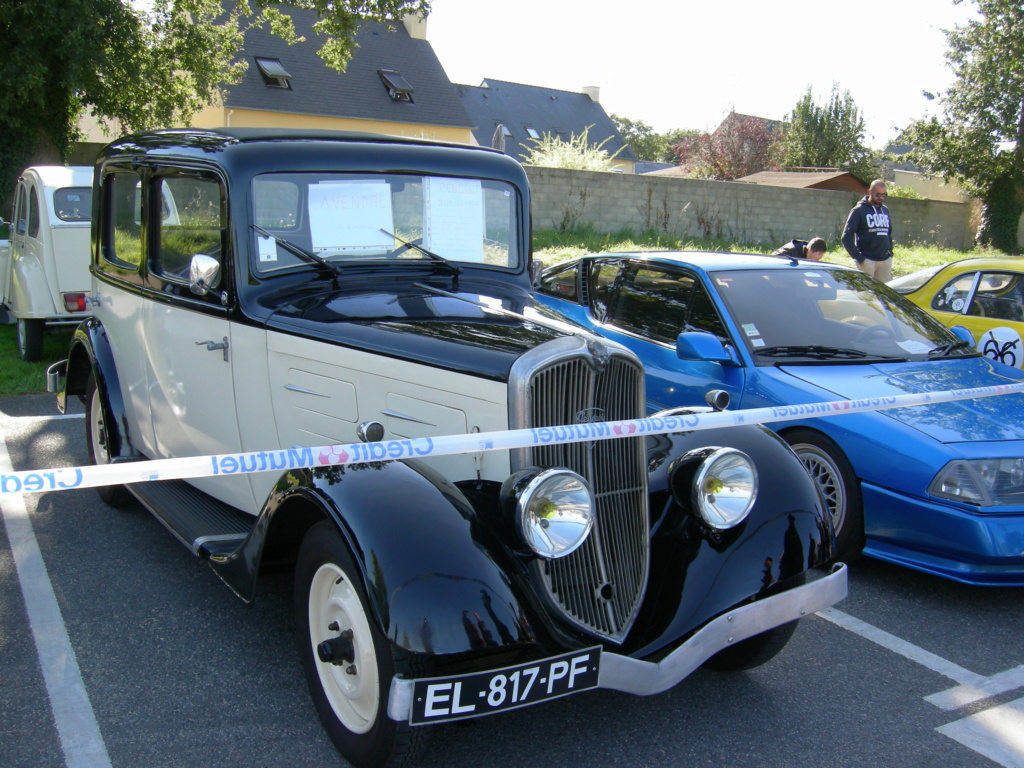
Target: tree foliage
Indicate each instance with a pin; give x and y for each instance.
(828, 135)
(576, 154)
(143, 67)
(740, 146)
(646, 143)
(979, 140)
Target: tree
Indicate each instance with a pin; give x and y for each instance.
(641, 138)
(576, 154)
(829, 135)
(740, 146)
(979, 140)
(142, 68)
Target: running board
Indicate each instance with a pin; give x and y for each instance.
(203, 524)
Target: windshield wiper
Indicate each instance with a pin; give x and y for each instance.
(301, 252)
(810, 350)
(821, 352)
(944, 350)
(454, 269)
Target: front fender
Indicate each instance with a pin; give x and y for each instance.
(433, 587)
(90, 355)
(698, 573)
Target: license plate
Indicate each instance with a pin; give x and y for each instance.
(440, 699)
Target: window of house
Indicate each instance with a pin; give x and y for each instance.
(398, 87)
(532, 132)
(273, 73)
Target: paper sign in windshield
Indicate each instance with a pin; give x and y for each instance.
(453, 222)
(348, 216)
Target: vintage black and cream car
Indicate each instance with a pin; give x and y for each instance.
(258, 291)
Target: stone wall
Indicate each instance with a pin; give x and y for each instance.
(745, 213)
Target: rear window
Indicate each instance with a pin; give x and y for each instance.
(73, 203)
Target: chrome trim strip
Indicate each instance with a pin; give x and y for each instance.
(403, 417)
(304, 391)
(645, 678)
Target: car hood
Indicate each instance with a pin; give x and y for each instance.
(984, 419)
(469, 332)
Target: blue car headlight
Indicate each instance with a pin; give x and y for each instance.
(982, 482)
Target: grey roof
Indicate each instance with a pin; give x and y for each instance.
(546, 110)
(359, 93)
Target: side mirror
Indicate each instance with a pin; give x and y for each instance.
(962, 333)
(203, 274)
(706, 347)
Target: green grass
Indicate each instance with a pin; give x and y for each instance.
(550, 246)
(18, 377)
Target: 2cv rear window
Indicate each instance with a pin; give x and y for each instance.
(344, 217)
(73, 203)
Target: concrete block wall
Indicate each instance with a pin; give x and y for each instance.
(747, 213)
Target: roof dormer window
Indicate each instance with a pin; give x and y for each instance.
(398, 87)
(273, 73)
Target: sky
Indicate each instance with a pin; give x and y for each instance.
(683, 64)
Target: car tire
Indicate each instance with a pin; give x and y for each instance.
(30, 340)
(833, 475)
(351, 690)
(96, 415)
(752, 652)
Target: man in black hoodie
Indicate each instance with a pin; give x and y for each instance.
(868, 233)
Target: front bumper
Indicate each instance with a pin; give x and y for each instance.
(644, 678)
(984, 549)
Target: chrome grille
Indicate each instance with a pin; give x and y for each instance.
(598, 587)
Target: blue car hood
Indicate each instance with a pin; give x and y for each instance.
(984, 419)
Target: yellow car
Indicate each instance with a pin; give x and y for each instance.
(986, 296)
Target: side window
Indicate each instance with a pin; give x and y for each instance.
(954, 295)
(33, 212)
(561, 284)
(191, 222)
(602, 288)
(998, 295)
(655, 303)
(121, 231)
(704, 315)
(21, 212)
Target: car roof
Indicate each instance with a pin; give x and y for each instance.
(1013, 264)
(62, 175)
(712, 261)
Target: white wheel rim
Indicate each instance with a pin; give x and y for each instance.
(97, 434)
(354, 695)
(826, 475)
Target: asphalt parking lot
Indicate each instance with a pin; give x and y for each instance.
(118, 648)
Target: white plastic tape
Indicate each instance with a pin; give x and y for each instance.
(62, 479)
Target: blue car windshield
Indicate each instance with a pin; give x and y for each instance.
(299, 218)
(829, 314)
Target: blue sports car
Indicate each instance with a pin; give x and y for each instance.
(939, 487)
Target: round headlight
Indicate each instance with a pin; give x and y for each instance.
(555, 512)
(725, 488)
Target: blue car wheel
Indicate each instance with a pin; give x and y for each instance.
(831, 472)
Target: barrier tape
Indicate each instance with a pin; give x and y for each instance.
(63, 479)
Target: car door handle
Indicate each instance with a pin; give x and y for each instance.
(212, 345)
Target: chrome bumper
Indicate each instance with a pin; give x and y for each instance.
(644, 678)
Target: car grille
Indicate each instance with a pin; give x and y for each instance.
(598, 587)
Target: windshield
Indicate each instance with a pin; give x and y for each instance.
(824, 314)
(339, 218)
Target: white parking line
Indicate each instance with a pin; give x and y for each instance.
(72, 712)
(997, 732)
(903, 648)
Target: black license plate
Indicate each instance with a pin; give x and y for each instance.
(440, 699)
